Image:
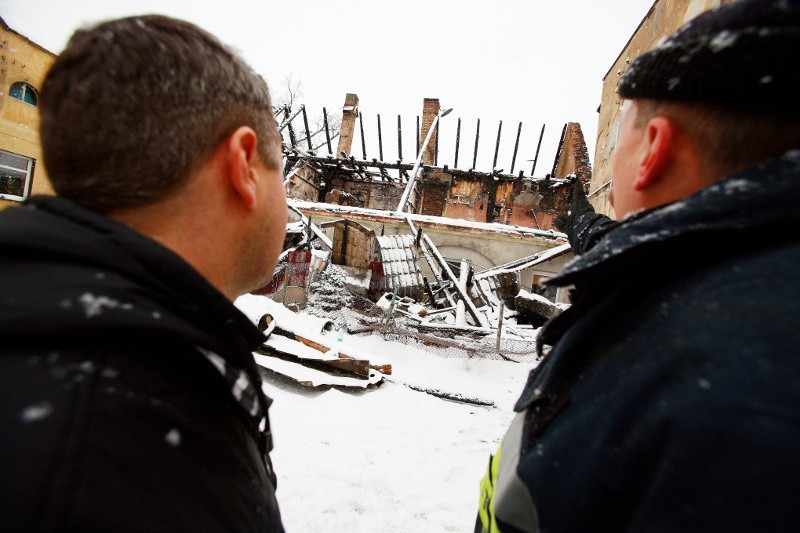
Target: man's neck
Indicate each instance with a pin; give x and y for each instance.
(185, 232)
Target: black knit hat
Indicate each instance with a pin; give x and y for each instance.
(744, 54)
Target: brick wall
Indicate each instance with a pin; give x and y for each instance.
(430, 108)
(574, 157)
(349, 116)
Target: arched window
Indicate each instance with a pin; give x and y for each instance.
(22, 91)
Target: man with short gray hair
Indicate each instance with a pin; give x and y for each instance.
(131, 398)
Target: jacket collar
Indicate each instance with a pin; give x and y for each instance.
(85, 272)
(763, 198)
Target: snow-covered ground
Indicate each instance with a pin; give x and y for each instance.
(390, 458)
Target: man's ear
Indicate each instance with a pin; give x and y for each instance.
(659, 136)
(241, 149)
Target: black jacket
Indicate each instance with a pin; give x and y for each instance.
(130, 396)
(671, 397)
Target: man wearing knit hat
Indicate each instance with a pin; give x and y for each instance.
(670, 396)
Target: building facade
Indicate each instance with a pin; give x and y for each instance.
(23, 66)
(663, 18)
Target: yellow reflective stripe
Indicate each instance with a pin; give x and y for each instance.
(486, 504)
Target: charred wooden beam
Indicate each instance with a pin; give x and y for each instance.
(288, 124)
(353, 164)
(276, 111)
(538, 146)
(380, 139)
(417, 134)
(477, 136)
(452, 396)
(458, 141)
(363, 140)
(435, 268)
(308, 132)
(327, 131)
(497, 145)
(436, 147)
(399, 140)
(558, 152)
(288, 117)
(491, 196)
(359, 367)
(516, 147)
(428, 290)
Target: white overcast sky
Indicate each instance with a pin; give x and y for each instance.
(533, 61)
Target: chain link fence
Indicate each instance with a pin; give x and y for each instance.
(364, 316)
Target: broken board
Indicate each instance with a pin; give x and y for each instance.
(302, 350)
(310, 377)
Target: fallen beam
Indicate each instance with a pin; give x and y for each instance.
(479, 318)
(452, 396)
(310, 377)
(526, 262)
(289, 341)
(314, 228)
(341, 361)
(362, 165)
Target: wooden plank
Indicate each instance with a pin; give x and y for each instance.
(310, 377)
(322, 346)
(344, 361)
(527, 262)
(296, 348)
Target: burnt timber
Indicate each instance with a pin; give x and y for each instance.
(493, 196)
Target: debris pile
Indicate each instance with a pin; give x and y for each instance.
(458, 310)
(362, 279)
(315, 362)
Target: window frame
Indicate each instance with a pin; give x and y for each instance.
(26, 88)
(27, 182)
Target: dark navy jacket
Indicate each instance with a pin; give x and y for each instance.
(671, 397)
(130, 396)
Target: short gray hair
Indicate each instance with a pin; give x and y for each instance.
(132, 106)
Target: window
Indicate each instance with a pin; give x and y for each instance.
(23, 91)
(16, 173)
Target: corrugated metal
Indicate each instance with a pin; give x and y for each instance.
(400, 265)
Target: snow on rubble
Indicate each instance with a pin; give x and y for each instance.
(388, 458)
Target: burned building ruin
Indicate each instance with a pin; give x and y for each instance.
(464, 243)
(459, 191)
